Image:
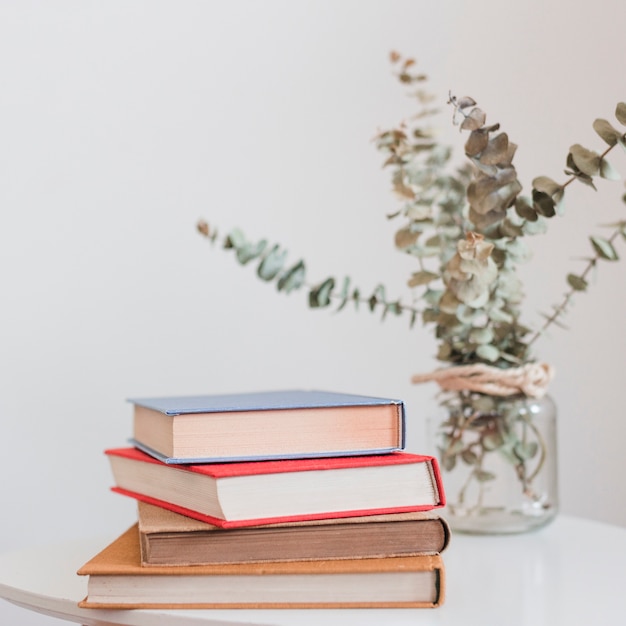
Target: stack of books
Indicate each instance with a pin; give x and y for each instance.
(283, 499)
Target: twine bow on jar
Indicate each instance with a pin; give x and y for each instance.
(531, 379)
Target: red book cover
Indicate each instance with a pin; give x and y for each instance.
(220, 471)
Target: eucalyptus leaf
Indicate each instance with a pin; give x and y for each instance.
(608, 171)
(558, 198)
(469, 457)
(546, 185)
(481, 336)
(587, 161)
(455, 446)
(539, 227)
(499, 316)
(393, 307)
(497, 150)
(320, 296)
(578, 283)
(474, 119)
(465, 102)
(245, 253)
(422, 278)
(492, 441)
(488, 353)
(433, 296)
(234, 239)
(345, 293)
(606, 131)
(507, 228)
(483, 476)
(377, 296)
(405, 237)
(604, 248)
(448, 462)
(484, 404)
(525, 209)
(543, 204)
(476, 142)
(293, 278)
(620, 113)
(272, 263)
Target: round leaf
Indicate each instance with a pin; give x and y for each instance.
(320, 295)
(483, 476)
(587, 161)
(543, 204)
(272, 263)
(481, 335)
(476, 142)
(487, 352)
(234, 239)
(524, 209)
(474, 120)
(606, 131)
(405, 237)
(546, 185)
(422, 278)
(496, 151)
(249, 251)
(293, 278)
(608, 171)
(578, 283)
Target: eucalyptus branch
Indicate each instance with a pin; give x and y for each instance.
(271, 267)
(464, 226)
(603, 249)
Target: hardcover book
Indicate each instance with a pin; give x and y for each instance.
(263, 492)
(167, 538)
(117, 580)
(266, 425)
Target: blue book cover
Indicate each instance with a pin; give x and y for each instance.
(262, 432)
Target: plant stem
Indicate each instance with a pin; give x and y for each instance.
(561, 308)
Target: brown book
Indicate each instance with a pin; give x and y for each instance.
(168, 538)
(117, 580)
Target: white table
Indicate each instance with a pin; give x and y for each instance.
(571, 572)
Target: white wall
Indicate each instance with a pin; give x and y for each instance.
(122, 123)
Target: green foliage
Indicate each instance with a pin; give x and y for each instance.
(478, 425)
(465, 228)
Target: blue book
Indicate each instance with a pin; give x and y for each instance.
(266, 425)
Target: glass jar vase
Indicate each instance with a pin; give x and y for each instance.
(498, 459)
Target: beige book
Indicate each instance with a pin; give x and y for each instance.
(291, 423)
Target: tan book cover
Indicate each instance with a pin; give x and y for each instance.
(167, 538)
(118, 580)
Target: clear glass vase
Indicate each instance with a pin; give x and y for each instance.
(498, 459)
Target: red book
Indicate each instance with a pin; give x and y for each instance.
(262, 492)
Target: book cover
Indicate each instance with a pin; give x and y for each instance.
(167, 538)
(262, 492)
(117, 580)
(266, 425)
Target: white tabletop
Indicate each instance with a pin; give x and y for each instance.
(571, 572)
